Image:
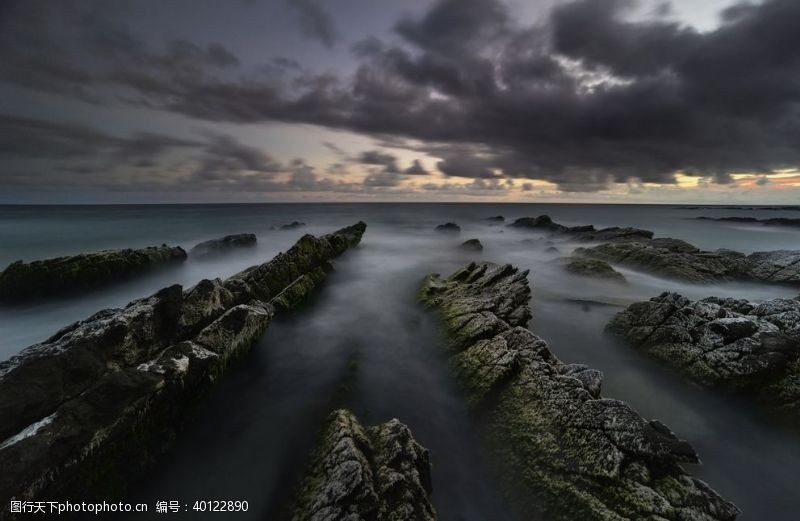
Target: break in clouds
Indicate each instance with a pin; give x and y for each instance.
(460, 96)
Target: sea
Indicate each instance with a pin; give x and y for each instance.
(250, 439)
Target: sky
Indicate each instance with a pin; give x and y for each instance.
(606, 101)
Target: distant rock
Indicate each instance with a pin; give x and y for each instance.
(496, 219)
(378, 473)
(228, 242)
(91, 407)
(472, 245)
(585, 233)
(775, 221)
(678, 259)
(291, 226)
(552, 249)
(448, 228)
(726, 343)
(22, 281)
(570, 453)
(587, 267)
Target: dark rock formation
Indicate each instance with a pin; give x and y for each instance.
(291, 226)
(448, 228)
(22, 281)
(678, 259)
(376, 473)
(586, 233)
(89, 408)
(724, 343)
(214, 246)
(587, 267)
(774, 221)
(570, 453)
(472, 245)
(496, 219)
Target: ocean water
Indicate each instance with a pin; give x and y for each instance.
(251, 438)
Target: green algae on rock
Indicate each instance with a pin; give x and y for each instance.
(88, 409)
(22, 281)
(752, 349)
(356, 473)
(566, 452)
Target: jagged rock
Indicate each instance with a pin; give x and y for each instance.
(376, 473)
(566, 452)
(496, 219)
(586, 233)
(90, 407)
(291, 226)
(774, 266)
(22, 281)
(773, 221)
(724, 343)
(588, 267)
(448, 228)
(214, 246)
(472, 245)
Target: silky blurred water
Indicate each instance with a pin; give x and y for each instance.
(251, 437)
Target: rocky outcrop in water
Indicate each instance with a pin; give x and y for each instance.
(472, 245)
(228, 242)
(586, 233)
(22, 281)
(678, 259)
(567, 452)
(753, 349)
(448, 228)
(774, 221)
(292, 225)
(90, 407)
(496, 219)
(377, 473)
(587, 267)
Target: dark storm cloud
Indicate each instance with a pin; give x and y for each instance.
(585, 98)
(378, 158)
(416, 168)
(315, 21)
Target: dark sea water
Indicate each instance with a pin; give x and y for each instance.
(252, 436)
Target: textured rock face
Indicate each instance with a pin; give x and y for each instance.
(112, 389)
(374, 473)
(229, 242)
(725, 343)
(678, 259)
(24, 281)
(588, 267)
(448, 228)
(472, 245)
(586, 233)
(570, 453)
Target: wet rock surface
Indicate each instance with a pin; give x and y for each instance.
(587, 267)
(223, 244)
(567, 452)
(95, 404)
(448, 228)
(366, 473)
(753, 349)
(22, 281)
(472, 245)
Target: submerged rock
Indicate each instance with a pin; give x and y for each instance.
(773, 221)
(448, 228)
(92, 406)
(472, 245)
(357, 473)
(496, 219)
(22, 281)
(222, 244)
(731, 344)
(587, 267)
(566, 452)
(586, 233)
